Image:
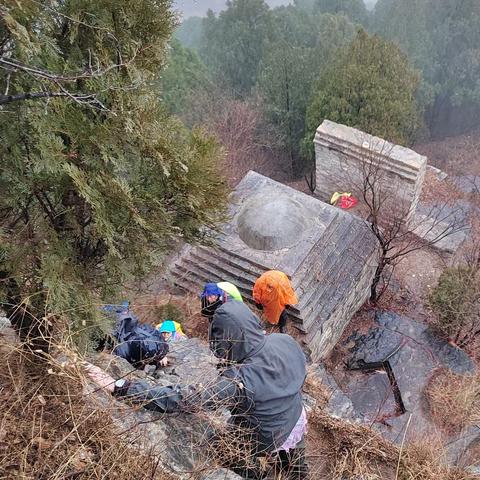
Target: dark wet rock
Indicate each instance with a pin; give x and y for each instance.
(179, 440)
(457, 449)
(372, 396)
(339, 405)
(413, 353)
(190, 361)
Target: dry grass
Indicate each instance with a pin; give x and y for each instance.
(155, 308)
(354, 451)
(453, 400)
(48, 430)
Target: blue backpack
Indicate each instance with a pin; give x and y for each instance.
(137, 343)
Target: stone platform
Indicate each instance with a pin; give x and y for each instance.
(329, 255)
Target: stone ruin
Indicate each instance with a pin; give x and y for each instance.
(342, 154)
(329, 255)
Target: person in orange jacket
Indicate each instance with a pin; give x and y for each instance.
(273, 292)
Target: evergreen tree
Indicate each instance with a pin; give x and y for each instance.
(190, 32)
(302, 43)
(442, 38)
(371, 86)
(234, 42)
(355, 10)
(96, 177)
(185, 76)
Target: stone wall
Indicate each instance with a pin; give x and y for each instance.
(343, 154)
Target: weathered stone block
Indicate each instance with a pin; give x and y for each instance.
(329, 255)
(343, 155)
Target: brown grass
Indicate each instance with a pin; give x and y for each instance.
(48, 430)
(151, 308)
(453, 400)
(350, 450)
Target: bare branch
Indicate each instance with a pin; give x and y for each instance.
(4, 99)
(13, 65)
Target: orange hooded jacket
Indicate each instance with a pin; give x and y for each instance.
(274, 291)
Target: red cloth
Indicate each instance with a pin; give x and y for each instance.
(347, 202)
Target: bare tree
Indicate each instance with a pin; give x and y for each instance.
(398, 223)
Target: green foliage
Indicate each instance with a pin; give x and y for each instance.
(190, 32)
(96, 184)
(456, 301)
(234, 42)
(353, 9)
(442, 38)
(184, 76)
(370, 86)
(300, 45)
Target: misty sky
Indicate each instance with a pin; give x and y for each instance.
(190, 8)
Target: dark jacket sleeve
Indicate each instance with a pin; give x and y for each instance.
(161, 399)
(226, 393)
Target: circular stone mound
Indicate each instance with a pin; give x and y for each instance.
(272, 221)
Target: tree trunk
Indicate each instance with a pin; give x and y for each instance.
(376, 281)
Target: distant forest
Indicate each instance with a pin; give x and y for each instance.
(406, 71)
(192, 8)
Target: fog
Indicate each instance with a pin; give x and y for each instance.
(191, 8)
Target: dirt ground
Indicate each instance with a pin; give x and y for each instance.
(458, 155)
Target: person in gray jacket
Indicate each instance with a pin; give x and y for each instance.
(261, 385)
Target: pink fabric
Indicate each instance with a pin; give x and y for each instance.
(101, 378)
(299, 430)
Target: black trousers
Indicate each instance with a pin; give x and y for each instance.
(282, 321)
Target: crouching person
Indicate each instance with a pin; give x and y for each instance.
(260, 385)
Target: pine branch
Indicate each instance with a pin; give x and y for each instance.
(4, 99)
(13, 65)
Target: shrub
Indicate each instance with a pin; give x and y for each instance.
(456, 301)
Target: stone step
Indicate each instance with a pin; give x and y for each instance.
(211, 273)
(227, 264)
(192, 277)
(230, 270)
(238, 258)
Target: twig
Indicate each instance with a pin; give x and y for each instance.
(401, 447)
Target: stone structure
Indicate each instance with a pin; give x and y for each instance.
(342, 153)
(329, 255)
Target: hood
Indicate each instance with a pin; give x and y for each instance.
(235, 332)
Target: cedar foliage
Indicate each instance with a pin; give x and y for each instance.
(370, 86)
(97, 178)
